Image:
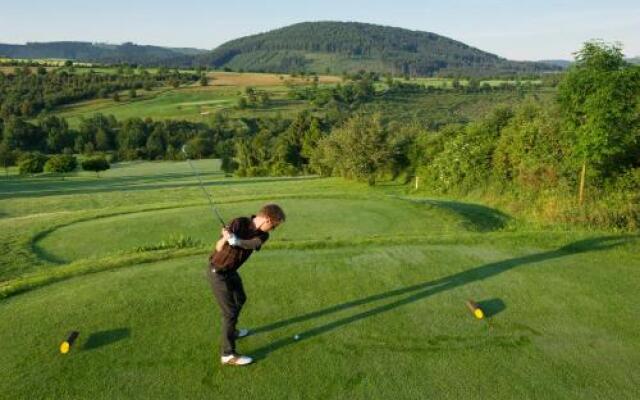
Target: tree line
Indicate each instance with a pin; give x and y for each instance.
(575, 159)
(27, 93)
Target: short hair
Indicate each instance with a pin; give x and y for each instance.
(273, 212)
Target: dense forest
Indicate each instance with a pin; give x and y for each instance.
(320, 47)
(102, 53)
(351, 46)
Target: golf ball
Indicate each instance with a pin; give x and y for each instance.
(296, 337)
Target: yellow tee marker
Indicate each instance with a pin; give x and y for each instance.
(66, 345)
(475, 309)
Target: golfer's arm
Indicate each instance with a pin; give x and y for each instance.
(250, 244)
(220, 244)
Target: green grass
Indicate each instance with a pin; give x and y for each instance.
(188, 103)
(185, 103)
(198, 104)
(374, 283)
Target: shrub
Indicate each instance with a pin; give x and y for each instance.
(61, 163)
(32, 163)
(96, 164)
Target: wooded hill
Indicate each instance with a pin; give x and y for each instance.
(102, 53)
(336, 47)
(321, 47)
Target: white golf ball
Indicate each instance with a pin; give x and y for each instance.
(296, 337)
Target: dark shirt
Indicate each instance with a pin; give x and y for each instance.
(230, 258)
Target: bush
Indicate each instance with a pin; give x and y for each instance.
(32, 163)
(61, 164)
(359, 149)
(96, 164)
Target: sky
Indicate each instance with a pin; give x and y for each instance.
(518, 30)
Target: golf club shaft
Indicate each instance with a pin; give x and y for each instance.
(213, 207)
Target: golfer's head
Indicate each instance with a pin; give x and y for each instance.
(272, 215)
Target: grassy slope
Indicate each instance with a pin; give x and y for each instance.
(377, 319)
(197, 103)
(194, 102)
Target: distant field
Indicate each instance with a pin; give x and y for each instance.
(262, 79)
(163, 103)
(195, 102)
(198, 103)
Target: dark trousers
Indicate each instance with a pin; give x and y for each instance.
(229, 293)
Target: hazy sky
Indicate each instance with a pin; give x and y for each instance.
(519, 30)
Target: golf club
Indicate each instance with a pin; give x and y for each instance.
(211, 203)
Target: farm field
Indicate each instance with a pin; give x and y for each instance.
(373, 280)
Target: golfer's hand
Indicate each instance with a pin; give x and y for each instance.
(225, 233)
(231, 238)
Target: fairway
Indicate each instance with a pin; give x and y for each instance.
(197, 103)
(373, 280)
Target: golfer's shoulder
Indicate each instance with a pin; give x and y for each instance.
(240, 224)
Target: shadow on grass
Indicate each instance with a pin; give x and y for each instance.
(492, 307)
(426, 289)
(45, 255)
(105, 338)
(478, 218)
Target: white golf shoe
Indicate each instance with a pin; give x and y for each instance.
(240, 333)
(236, 359)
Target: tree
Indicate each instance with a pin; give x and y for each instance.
(31, 163)
(61, 164)
(358, 150)
(103, 140)
(204, 81)
(96, 164)
(156, 144)
(599, 97)
(132, 138)
(21, 135)
(7, 157)
(57, 133)
(242, 103)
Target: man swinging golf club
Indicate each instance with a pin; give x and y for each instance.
(239, 239)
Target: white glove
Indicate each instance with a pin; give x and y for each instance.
(233, 240)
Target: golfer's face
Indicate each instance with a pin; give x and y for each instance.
(270, 225)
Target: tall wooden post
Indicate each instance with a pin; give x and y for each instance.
(582, 178)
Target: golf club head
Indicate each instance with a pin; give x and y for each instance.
(184, 149)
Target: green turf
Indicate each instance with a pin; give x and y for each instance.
(373, 281)
(184, 103)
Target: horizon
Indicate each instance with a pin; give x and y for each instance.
(541, 31)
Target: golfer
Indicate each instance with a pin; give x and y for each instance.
(239, 239)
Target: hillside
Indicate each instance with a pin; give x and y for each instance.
(321, 47)
(335, 47)
(102, 52)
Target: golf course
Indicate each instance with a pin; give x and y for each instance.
(360, 294)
